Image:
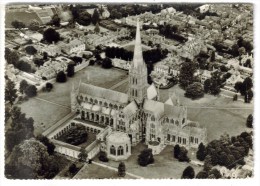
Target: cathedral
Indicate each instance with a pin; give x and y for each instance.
(138, 115)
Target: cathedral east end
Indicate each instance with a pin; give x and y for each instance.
(136, 116)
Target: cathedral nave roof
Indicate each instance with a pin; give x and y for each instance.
(103, 93)
(130, 109)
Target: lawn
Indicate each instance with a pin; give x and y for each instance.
(94, 75)
(44, 114)
(23, 16)
(92, 171)
(164, 166)
(47, 113)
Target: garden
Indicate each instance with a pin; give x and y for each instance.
(77, 135)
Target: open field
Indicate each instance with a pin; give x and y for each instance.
(164, 166)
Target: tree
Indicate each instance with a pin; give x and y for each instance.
(30, 50)
(83, 155)
(212, 57)
(146, 157)
(194, 91)
(207, 163)
(50, 35)
(121, 169)
(186, 76)
(84, 18)
(31, 91)
(97, 29)
(235, 97)
(49, 86)
(55, 20)
(202, 175)
(207, 84)
(61, 77)
(216, 83)
(38, 164)
(238, 86)
(23, 85)
(34, 25)
(201, 153)
(249, 121)
(70, 70)
(95, 17)
(188, 173)
(214, 173)
(246, 86)
(73, 168)
(18, 24)
(45, 56)
(11, 57)
(107, 63)
(248, 96)
(45, 141)
(38, 62)
(176, 151)
(103, 156)
(183, 156)
(10, 92)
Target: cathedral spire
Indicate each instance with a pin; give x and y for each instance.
(138, 54)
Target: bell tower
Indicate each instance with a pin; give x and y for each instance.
(137, 89)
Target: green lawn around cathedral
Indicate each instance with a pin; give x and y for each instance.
(47, 108)
(164, 166)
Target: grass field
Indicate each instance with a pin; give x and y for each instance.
(164, 166)
(49, 107)
(92, 171)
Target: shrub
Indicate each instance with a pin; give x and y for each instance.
(103, 157)
(61, 77)
(31, 91)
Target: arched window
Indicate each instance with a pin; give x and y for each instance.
(120, 151)
(126, 148)
(112, 150)
(152, 126)
(167, 120)
(133, 92)
(153, 118)
(86, 99)
(136, 81)
(183, 121)
(172, 121)
(177, 122)
(91, 100)
(96, 101)
(105, 104)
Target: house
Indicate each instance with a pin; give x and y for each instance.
(73, 46)
(51, 50)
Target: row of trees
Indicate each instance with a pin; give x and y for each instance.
(226, 151)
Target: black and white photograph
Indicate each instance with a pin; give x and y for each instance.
(129, 90)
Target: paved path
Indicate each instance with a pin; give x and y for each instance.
(115, 169)
(51, 102)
